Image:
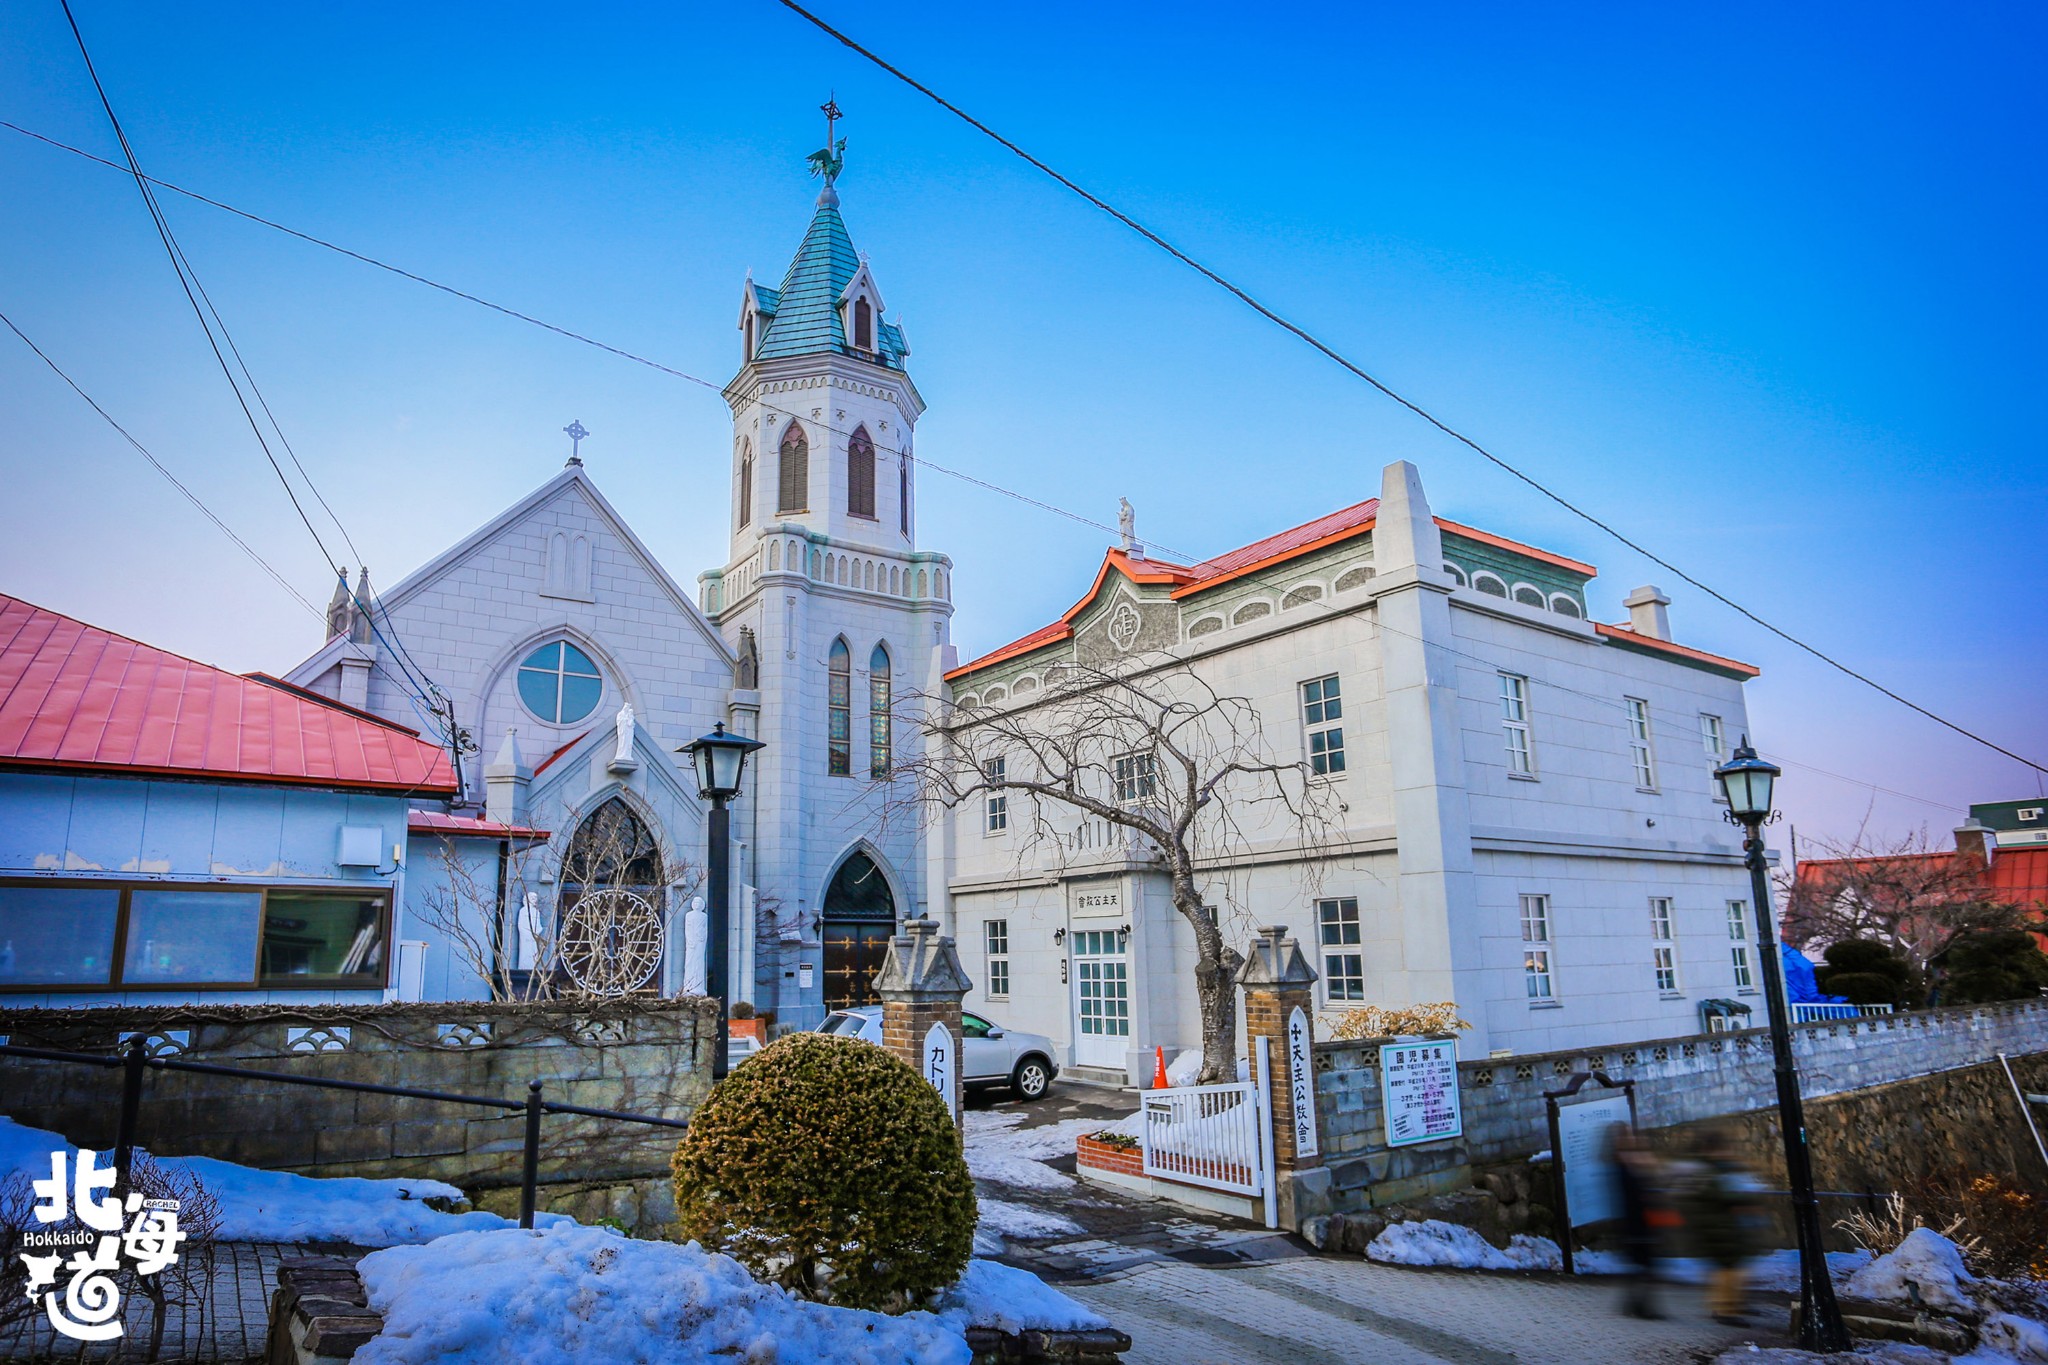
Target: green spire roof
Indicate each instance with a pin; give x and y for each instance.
(803, 317)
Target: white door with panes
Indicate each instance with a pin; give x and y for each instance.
(1102, 998)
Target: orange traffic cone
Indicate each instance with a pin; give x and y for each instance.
(1159, 1081)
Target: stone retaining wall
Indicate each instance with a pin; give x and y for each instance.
(649, 1057)
(1678, 1081)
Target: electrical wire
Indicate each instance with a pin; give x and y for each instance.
(1303, 334)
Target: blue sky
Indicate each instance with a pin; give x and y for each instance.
(1761, 286)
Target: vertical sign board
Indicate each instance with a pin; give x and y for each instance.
(1301, 1082)
(1419, 1092)
(1590, 1195)
(938, 1064)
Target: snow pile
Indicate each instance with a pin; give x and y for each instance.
(585, 1294)
(2013, 1337)
(1434, 1243)
(1925, 1270)
(1000, 1152)
(1007, 1299)
(1185, 1068)
(1021, 1220)
(276, 1206)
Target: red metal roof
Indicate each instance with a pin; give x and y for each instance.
(438, 822)
(1629, 636)
(75, 697)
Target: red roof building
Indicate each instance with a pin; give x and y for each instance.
(76, 698)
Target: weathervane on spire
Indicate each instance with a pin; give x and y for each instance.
(828, 160)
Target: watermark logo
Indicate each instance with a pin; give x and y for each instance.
(137, 1232)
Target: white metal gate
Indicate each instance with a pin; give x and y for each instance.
(1218, 1136)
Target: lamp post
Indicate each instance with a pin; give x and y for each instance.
(1746, 781)
(720, 760)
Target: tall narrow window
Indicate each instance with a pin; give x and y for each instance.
(746, 483)
(793, 487)
(998, 941)
(996, 815)
(839, 711)
(1738, 944)
(878, 713)
(1536, 976)
(1343, 957)
(1663, 944)
(1137, 778)
(860, 474)
(1714, 740)
(1514, 720)
(903, 491)
(1321, 710)
(1639, 742)
(863, 325)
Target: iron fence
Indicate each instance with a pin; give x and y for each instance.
(135, 1060)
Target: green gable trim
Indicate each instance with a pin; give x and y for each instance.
(1683, 661)
(1473, 557)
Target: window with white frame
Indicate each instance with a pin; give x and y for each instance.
(1322, 708)
(1663, 944)
(996, 811)
(1536, 972)
(1738, 944)
(1639, 742)
(1343, 958)
(1714, 739)
(997, 937)
(1514, 721)
(1137, 778)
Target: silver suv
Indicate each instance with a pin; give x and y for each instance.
(993, 1055)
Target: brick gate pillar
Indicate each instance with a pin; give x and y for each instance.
(1277, 981)
(921, 984)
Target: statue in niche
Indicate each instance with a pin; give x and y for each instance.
(624, 752)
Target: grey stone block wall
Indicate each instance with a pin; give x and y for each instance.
(1678, 1080)
(648, 1057)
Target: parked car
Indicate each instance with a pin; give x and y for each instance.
(993, 1055)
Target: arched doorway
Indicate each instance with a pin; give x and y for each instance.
(609, 916)
(859, 918)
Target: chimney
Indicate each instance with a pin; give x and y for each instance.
(505, 782)
(1976, 844)
(1646, 614)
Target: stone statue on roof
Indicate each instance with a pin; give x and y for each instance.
(1126, 521)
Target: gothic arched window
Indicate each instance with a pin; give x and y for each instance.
(878, 713)
(863, 325)
(860, 474)
(794, 484)
(903, 490)
(839, 710)
(746, 483)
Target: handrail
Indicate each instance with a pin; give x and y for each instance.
(135, 1060)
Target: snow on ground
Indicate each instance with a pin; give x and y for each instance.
(1434, 1243)
(1021, 1220)
(276, 1206)
(1925, 1268)
(579, 1294)
(1001, 1153)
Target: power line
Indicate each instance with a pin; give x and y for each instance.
(1329, 351)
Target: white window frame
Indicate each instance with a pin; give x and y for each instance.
(995, 816)
(1135, 777)
(1738, 946)
(1664, 945)
(1322, 725)
(1639, 745)
(1539, 970)
(1714, 739)
(1338, 928)
(995, 939)
(1514, 724)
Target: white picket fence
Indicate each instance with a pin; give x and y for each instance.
(1811, 1014)
(1217, 1136)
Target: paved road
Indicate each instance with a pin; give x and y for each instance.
(1196, 1289)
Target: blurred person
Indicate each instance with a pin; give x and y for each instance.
(1640, 1186)
(1725, 1211)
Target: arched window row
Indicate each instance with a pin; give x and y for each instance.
(1527, 594)
(839, 710)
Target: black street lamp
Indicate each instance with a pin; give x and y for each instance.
(720, 760)
(1746, 781)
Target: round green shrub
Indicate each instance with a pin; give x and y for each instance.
(827, 1166)
(1868, 973)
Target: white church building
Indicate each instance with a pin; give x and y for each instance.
(547, 623)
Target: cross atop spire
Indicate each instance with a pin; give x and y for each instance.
(575, 431)
(828, 160)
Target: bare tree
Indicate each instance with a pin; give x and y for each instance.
(1152, 750)
(583, 915)
(1906, 894)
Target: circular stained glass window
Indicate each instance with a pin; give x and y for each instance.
(559, 683)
